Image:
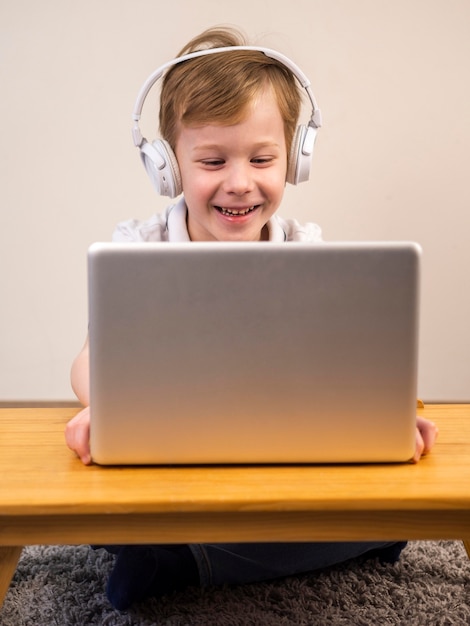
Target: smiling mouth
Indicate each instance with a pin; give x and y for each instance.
(236, 212)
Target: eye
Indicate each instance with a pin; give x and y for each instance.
(262, 160)
(212, 163)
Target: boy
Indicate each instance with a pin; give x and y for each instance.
(230, 119)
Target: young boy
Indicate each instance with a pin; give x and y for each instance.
(230, 119)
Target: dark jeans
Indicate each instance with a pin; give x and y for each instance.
(238, 563)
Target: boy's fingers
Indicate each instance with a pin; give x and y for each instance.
(429, 433)
(77, 434)
(426, 434)
(419, 447)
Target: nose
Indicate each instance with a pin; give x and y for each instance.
(238, 179)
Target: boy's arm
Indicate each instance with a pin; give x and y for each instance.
(77, 431)
(80, 375)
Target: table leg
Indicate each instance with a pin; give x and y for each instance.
(9, 557)
(466, 543)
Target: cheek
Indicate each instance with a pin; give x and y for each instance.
(277, 181)
(197, 186)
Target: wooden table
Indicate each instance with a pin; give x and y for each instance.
(48, 497)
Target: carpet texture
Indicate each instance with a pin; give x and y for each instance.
(64, 586)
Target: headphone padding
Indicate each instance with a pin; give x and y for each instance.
(300, 157)
(162, 167)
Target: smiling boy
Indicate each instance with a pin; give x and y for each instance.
(230, 119)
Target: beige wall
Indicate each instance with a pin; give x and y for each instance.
(392, 161)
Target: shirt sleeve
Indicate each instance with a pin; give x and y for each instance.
(295, 231)
(152, 229)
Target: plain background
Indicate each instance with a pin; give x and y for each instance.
(391, 162)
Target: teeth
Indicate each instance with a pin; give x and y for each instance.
(225, 211)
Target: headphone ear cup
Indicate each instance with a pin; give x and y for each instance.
(300, 157)
(162, 167)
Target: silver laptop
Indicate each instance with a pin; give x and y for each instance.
(214, 353)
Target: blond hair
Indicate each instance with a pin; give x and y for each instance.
(218, 88)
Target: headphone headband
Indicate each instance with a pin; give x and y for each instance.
(315, 119)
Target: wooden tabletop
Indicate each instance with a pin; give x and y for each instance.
(48, 496)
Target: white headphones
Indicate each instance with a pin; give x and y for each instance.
(159, 159)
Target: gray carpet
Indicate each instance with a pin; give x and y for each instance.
(64, 586)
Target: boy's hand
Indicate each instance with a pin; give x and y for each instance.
(77, 435)
(426, 435)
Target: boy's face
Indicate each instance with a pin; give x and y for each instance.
(234, 176)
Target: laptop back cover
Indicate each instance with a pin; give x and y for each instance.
(253, 353)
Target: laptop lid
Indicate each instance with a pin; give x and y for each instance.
(253, 352)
